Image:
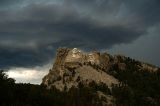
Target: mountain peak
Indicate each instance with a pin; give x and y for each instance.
(73, 66)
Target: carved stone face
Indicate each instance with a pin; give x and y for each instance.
(93, 58)
(74, 55)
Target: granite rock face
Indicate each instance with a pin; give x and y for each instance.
(73, 66)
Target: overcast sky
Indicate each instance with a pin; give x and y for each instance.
(32, 30)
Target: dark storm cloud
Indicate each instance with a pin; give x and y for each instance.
(10, 57)
(55, 24)
(30, 35)
(146, 10)
(7, 2)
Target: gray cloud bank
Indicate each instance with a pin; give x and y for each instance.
(30, 32)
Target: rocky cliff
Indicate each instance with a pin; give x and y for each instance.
(73, 66)
(105, 75)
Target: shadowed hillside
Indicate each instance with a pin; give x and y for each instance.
(87, 79)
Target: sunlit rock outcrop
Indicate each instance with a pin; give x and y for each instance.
(73, 66)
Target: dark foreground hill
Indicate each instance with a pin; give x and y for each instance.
(87, 79)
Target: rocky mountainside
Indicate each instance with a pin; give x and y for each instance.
(74, 68)
(80, 78)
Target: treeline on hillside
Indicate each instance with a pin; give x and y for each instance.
(37, 95)
(137, 87)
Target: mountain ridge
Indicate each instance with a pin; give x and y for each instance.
(80, 79)
(72, 64)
